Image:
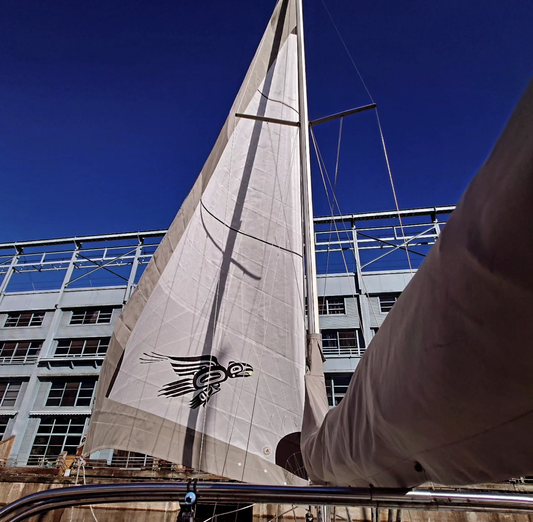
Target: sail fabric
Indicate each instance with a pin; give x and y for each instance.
(444, 392)
(206, 364)
(316, 400)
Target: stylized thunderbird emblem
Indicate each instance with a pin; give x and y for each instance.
(202, 374)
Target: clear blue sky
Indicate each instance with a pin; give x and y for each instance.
(108, 108)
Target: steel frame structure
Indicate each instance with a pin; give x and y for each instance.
(109, 252)
(419, 228)
(87, 253)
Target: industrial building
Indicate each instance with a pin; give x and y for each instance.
(59, 300)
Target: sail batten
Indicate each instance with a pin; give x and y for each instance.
(206, 364)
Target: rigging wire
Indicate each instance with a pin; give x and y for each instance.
(323, 171)
(405, 242)
(334, 193)
(248, 507)
(348, 52)
(338, 157)
(229, 512)
(332, 204)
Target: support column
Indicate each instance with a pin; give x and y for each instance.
(32, 388)
(9, 273)
(363, 298)
(133, 271)
(436, 225)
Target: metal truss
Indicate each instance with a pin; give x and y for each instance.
(77, 260)
(373, 246)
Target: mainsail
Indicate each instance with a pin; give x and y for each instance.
(206, 364)
(444, 392)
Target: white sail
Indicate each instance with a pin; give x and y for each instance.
(206, 364)
(444, 392)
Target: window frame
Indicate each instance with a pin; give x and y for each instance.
(341, 349)
(4, 424)
(63, 390)
(47, 431)
(70, 350)
(9, 384)
(15, 357)
(326, 305)
(36, 319)
(337, 392)
(387, 301)
(84, 316)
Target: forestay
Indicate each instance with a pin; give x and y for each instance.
(206, 364)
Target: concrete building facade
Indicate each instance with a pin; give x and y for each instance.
(60, 298)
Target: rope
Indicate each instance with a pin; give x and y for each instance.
(81, 464)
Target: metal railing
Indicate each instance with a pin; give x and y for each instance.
(40, 461)
(342, 351)
(131, 462)
(18, 359)
(223, 492)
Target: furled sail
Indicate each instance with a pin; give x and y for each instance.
(444, 392)
(206, 364)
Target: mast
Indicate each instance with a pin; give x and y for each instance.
(305, 160)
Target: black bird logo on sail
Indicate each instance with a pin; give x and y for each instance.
(201, 375)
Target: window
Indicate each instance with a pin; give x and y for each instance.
(3, 426)
(9, 391)
(71, 393)
(337, 386)
(19, 352)
(81, 347)
(386, 302)
(20, 319)
(343, 343)
(55, 435)
(331, 305)
(91, 316)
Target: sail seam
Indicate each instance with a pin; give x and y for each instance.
(277, 101)
(248, 235)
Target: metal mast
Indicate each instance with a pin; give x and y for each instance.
(305, 160)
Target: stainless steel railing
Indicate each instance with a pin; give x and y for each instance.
(234, 493)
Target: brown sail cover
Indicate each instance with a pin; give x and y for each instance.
(445, 391)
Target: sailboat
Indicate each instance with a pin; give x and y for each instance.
(215, 364)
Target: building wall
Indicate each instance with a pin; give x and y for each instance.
(45, 382)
